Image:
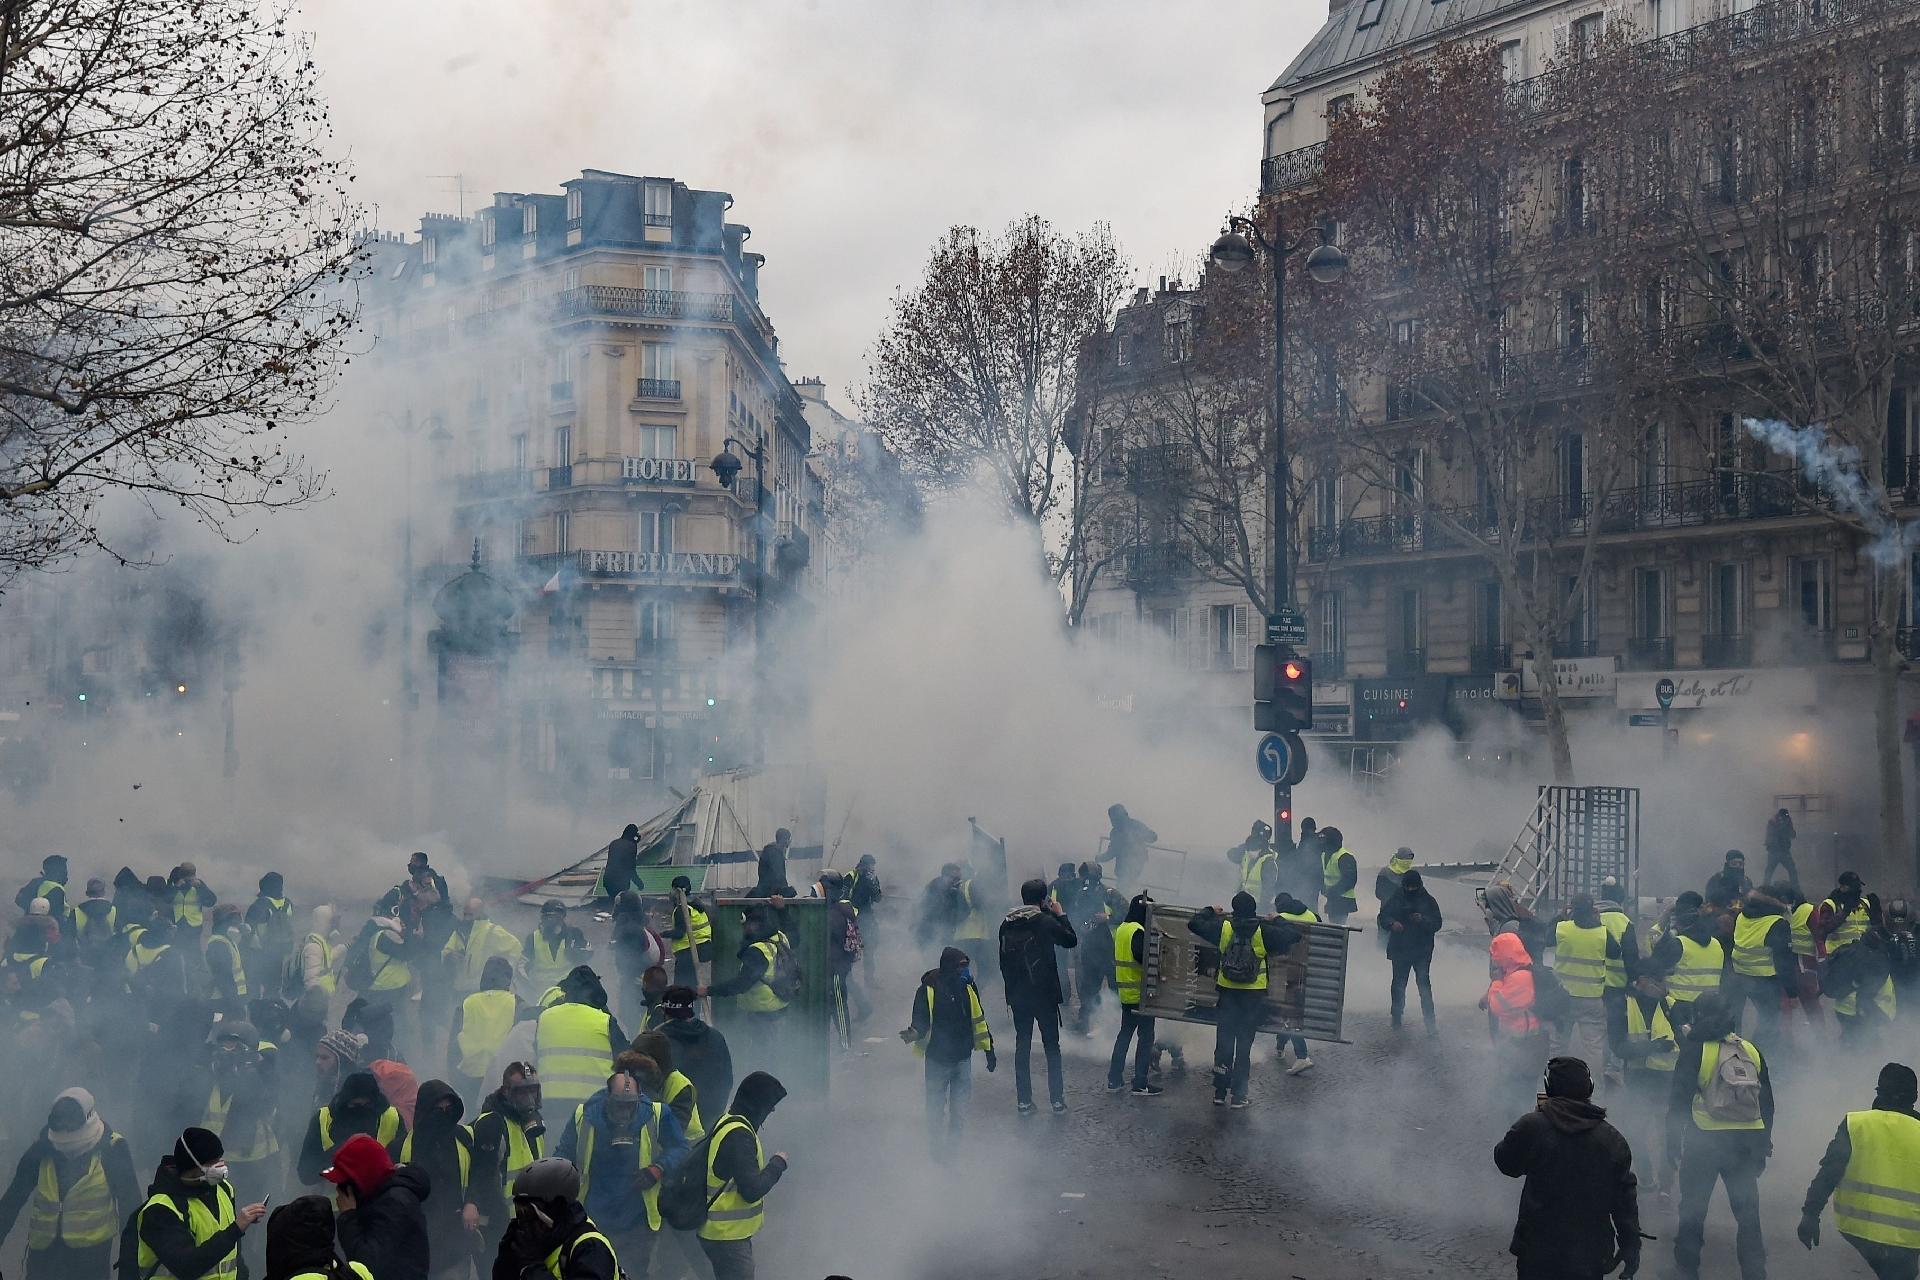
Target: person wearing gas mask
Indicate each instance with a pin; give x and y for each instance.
(383, 1223)
(242, 1108)
(358, 1107)
(623, 1142)
(554, 949)
(77, 1184)
(190, 1226)
(551, 1234)
(507, 1138)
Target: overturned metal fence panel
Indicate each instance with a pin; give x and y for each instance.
(1596, 837)
(1306, 987)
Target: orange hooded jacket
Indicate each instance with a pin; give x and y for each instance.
(1510, 997)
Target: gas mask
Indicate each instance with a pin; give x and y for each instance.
(532, 1216)
(620, 1117)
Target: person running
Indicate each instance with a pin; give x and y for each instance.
(1720, 1121)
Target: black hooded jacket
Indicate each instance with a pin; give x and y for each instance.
(435, 1151)
(623, 861)
(1028, 965)
(524, 1254)
(700, 1054)
(300, 1241)
(1418, 916)
(356, 1108)
(759, 1094)
(387, 1234)
(1578, 1209)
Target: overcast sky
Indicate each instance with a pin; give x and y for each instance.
(851, 133)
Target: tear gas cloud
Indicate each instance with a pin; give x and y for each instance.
(1834, 468)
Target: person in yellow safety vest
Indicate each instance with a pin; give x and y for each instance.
(77, 1185)
(319, 958)
(301, 1243)
(442, 1148)
(1763, 966)
(1806, 957)
(1581, 949)
(1872, 1172)
(946, 1026)
(691, 933)
(1339, 876)
(1129, 979)
(508, 1136)
(50, 884)
(1863, 976)
(553, 950)
(1254, 862)
(1842, 919)
(1689, 953)
(1649, 1050)
(551, 1233)
(1242, 944)
(673, 1087)
(1623, 966)
(190, 1227)
(624, 1141)
(574, 1042)
(739, 1178)
(388, 960)
(481, 1024)
(243, 1103)
(359, 1106)
(270, 925)
(24, 970)
(475, 940)
(1720, 1123)
(977, 911)
(188, 897)
(155, 968)
(1386, 883)
(753, 985)
(1293, 911)
(95, 924)
(226, 952)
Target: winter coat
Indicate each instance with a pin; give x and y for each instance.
(615, 1195)
(947, 1032)
(700, 1054)
(1578, 1209)
(1510, 995)
(1414, 938)
(387, 1233)
(1027, 964)
(436, 1154)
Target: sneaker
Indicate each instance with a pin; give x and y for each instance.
(1433, 1033)
(1239, 1104)
(1147, 1091)
(1219, 1099)
(1059, 1108)
(1114, 1086)
(1301, 1067)
(1026, 1108)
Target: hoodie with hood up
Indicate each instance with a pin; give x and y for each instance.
(387, 1234)
(300, 1241)
(1578, 1209)
(759, 1094)
(943, 1006)
(356, 1107)
(700, 1053)
(615, 1193)
(1510, 995)
(434, 1149)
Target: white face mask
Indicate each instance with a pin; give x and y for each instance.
(215, 1174)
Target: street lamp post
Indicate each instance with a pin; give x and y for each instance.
(726, 469)
(1234, 251)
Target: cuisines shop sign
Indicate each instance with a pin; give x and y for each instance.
(1704, 690)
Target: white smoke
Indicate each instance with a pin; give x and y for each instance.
(1835, 468)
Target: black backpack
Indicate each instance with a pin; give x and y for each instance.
(1239, 962)
(358, 973)
(1551, 1003)
(683, 1198)
(128, 1267)
(1026, 958)
(784, 976)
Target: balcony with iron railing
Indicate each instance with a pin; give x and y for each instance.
(1726, 649)
(1649, 653)
(485, 486)
(1576, 647)
(1154, 563)
(643, 304)
(560, 477)
(1330, 666)
(1406, 662)
(1291, 169)
(657, 389)
(1156, 467)
(1485, 659)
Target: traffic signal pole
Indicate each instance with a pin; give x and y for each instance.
(1282, 590)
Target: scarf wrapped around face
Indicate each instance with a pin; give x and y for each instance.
(74, 1142)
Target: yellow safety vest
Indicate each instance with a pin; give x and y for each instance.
(973, 928)
(486, 1019)
(359, 1269)
(1659, 1028)
(1801, 924)
(1615, 923)
(677, 1084)
(759, 998)
(82, 1218)
(1220, 978)
(982, 1037)
(643, 1149)
(481, 943)
(1252, 864)
(730, 1217)
(385, 1130)
(1580, 959)
(141, 957)
(1879, 1195)
(1699, 969)
(699, 930)
(1709, 1062)
(1846, 1006)
(463, 1152)
(186, 906)
(204, 1223)
(239, 970)
(521, 1151)
(573, 1051)
(264, 1141)
(1309, 916)
(556, 1265)
(325, 982)
(1751, 956)
(390, 972)
(547, 964)
(1330, 868)
(1851, 929)
(1128, 973)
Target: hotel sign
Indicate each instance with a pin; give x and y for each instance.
(681, 471)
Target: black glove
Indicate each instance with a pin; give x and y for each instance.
(992, 1062)
(1630, 1263)
(1809, 1231)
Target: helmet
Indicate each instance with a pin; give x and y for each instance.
(1262, 830)
(548, 1179)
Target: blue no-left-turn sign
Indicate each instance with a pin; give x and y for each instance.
(1273, 757)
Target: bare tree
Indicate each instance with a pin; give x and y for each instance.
(978, 369)
(174, 247)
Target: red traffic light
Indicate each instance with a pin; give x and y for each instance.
(1292, 670)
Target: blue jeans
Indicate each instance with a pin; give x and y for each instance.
(1131, 1025)
(949, 1084)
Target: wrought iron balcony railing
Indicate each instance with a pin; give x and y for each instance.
(1649, 653)
(1730, 649)
(1406, 662)
(1292, 169)
(659, 304)
(658, 389)
(1152, 562)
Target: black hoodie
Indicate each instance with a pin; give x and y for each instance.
(700, 1054)
(387, 1233)
(300, 1241)
(1579, 1207)
(759, 1093)
(356, 1107)
(435, 1151)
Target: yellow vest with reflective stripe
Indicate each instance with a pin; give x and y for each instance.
(521, 1150)
(699, 930)
(1851, 929)
(1709, 1062)
(140, 957)
(677, 1084)
(486, 1019)
(1801, 937)
(1128, 973)
(1615, 923)
(1580, 959)
(82, 1218)
(204, 1223)
(547, 964)
(1879, 1195)
(1752, 957)
(973, 926)
(186, 906)
(1253, 864)
(1699, 969)
(325, 981)
(238, 970)
(1330, 868)
(385, 1129)
(982, 1037)
(263, 1142)
(1259, 949)
(557, 1266)
(1659, 1027)
(759, 998)
(643, 1149)
(731, 1217)
(1309, 916)
(573, 1051)
(390, 971)
(463, 1153)
(481, 943)
(1847, 1005)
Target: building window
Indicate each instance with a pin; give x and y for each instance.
(562, 447)
(1122, 349)
(1489, 624)
(1513, 61)
(487, 226)
(654, 627)
(1409, 634)
(656, 361)
(1339, 108)
(1583, 37)
(1333, 624)
(1326, 502)
(658, 441)
(1577, 636)
(1650, 617)
(656, 532)
(1727, 600)
(520, 452)
(1663, 16)
(659, 278)
(573, 204)
(1573, 319)
(1575, 210)
(429, 250)
(529, 218)
(1811, 582)
(562, 532)
(1653, 465)
(1178, 335)
(1572, 466)
(659, 204)
(1369, 14)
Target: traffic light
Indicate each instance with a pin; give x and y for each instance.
(1282, 691)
